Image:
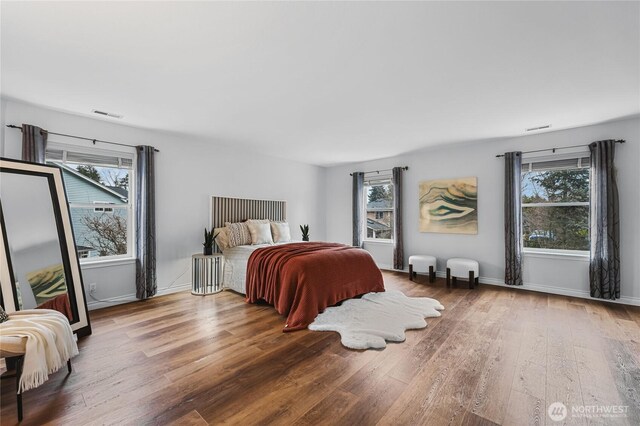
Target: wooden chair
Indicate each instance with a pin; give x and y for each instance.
(17, 360)
(13, 349)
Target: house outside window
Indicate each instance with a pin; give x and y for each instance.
(98, 184)
(555, 204)
(379, 209)
(102, 207)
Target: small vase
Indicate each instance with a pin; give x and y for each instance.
(208, 251)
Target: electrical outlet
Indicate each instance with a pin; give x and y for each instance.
(92, 288)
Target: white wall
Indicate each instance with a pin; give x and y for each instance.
(188, 172)
(567, 275)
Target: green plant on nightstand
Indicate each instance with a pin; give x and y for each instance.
(305, 232)
(209, 239)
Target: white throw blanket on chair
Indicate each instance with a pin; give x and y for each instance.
(49, 343)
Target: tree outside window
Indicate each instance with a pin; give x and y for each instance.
(555, 208)
(379, 210)
(100, 208)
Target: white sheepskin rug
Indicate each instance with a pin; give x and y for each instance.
(375, 318)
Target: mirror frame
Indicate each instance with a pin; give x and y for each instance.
(73, 276)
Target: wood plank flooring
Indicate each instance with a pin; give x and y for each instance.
(496, 356)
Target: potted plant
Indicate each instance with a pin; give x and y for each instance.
(209, 239)
(305, 232)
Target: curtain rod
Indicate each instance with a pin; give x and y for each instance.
(12, 126)
(384, 170)
(562, 147)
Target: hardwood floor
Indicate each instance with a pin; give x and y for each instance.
(496, 356)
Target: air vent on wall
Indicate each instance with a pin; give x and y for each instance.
(546, 126)
(107, 114)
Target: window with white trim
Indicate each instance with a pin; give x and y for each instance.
(98, 184)
(102, 207)
(378, 205)
(555, 203)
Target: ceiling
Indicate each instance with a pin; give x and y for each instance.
(328, 83)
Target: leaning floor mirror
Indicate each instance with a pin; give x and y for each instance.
(40, 268)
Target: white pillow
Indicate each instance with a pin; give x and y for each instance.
(260, 231)
(281, 232)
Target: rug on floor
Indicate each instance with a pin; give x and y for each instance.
(375, 318)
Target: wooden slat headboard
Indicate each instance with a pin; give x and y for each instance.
(226, 209)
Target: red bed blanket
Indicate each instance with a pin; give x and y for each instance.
(302, 279)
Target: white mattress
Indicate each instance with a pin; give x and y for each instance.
(235, 266)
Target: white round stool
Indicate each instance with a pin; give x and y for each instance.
(461, 268)
(422, 263)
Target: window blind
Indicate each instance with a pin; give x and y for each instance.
(532, 165)
(98, 158)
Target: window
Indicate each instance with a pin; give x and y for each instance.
(379, 209)
(98, 184)
(555, 203)
(102, 209)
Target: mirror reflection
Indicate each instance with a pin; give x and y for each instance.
(34, 245)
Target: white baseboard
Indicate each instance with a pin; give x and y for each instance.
(635, 301)
(385, 267)
(118, 300)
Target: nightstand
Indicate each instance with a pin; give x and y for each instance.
(207, 274)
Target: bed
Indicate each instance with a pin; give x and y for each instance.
(299, 279)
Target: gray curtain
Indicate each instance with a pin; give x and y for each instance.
(604, 265)
(398, 240)
(146, 285)
(513, 218)
(34, 143)
(358, 205)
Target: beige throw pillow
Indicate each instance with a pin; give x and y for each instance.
(222, 238)
(281, 232)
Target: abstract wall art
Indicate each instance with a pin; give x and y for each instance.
(47, 283)
(449, 205)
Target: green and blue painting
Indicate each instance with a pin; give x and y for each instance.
(47, 283)
(449, 206)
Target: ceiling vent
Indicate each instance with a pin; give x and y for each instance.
(106, 114)
(533, 129)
